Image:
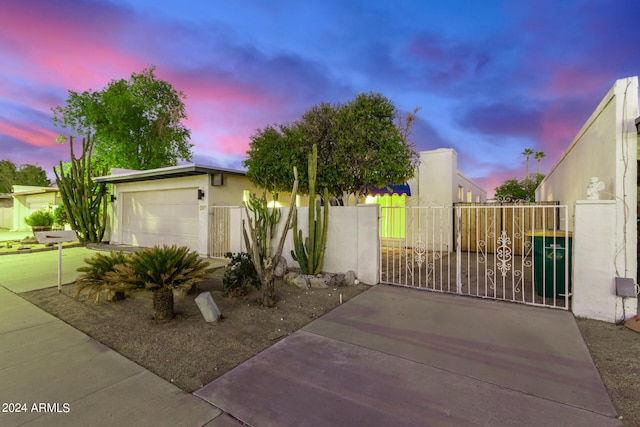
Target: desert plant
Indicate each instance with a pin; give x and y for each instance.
(40, 218)
(309, 252)
(84, 199)
(265, 220)
(161, 269)
(94, 277)
(239, 274)
(265, 263)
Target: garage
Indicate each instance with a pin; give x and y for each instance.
(160, 217)
(169, 206)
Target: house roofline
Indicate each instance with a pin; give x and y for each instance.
(190, 169)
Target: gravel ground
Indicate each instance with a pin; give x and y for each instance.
(616, 353)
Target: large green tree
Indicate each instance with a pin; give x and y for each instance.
(136, 123)
(359, 143)
(26, 174)
(524, 190)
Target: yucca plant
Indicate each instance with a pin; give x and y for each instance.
(95, 277)
(161, 269)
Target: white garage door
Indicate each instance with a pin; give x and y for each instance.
(160, 217)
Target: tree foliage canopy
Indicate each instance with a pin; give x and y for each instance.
(26, 174)
(524, 190)
(136, 123)
(362, 142)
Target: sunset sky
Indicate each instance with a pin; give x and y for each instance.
(491, 77)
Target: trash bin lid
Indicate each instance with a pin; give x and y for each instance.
(548, 233)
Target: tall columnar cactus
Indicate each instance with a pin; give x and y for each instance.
(261, 229)
(265, 222)
(309, 252)
(84, 199)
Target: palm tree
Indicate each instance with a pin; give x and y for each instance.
(527, 153)
(539, 156)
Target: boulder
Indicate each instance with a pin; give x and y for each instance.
(336, 280)
(281, 267)
(317, 283)
(350, 278)
(301, 282)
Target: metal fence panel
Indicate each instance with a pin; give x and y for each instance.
(517, 253)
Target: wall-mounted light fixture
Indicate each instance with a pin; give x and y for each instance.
(113, 198)
(200, 194)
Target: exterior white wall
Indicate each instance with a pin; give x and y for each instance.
(437, 179)
(605, 147)
(594, 272)
(6, 217)
(436, 183)
(353, 241)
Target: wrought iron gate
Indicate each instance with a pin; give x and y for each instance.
(517, 253)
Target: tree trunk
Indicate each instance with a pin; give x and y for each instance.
(268, 288)
(163, 305)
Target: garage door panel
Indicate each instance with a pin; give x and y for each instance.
(161, 217)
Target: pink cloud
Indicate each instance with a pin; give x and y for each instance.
(32, 135)
(49, 39)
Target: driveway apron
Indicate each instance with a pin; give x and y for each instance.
(399, 356)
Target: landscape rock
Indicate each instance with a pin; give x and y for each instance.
(290, 277)
(336, 280)
(281, 267)
(317, 282)
(350, 278)
(301, 282)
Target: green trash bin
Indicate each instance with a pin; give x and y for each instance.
(551, 262)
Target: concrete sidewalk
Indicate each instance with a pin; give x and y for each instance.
(390, 356)
(45, 361)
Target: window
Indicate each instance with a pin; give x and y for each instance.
(469, 196)
(460, 192)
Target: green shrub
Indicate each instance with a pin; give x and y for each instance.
(40, 218)
(96, 276)
(239, 274)
(60, 214)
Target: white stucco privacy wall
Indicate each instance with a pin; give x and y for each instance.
(353, 242)
(605, 147)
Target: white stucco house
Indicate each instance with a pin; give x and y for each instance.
(171, 205)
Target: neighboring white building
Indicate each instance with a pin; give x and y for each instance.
(438, 181)
(28, 199)
(605, 231)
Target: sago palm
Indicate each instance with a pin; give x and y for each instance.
(95, 276)
(161, 269)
